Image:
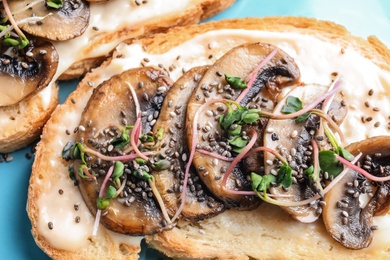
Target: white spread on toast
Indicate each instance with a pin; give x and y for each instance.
(316, 60)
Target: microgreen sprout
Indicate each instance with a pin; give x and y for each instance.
(235, 82)
(22, 41)
(56, 4)
(123, 140)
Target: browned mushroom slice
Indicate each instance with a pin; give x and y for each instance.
(200, 204)
(27, 72)
(239, 62)
(293, 141)
(67, 22)
(346, 218)
(376, 160)
(110, 108)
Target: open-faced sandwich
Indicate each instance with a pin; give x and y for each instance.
(238, 139)
(43, 40)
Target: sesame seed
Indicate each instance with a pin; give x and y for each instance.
(370, 92)
(367, 104)
(376, 109)
(61, 191)
(50, 225)
(377, 124)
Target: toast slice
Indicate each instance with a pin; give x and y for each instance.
(264, 233)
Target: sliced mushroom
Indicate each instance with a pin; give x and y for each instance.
(376, 160)
(110, 108)
(346, 219)
(293, 141)
(200, 204)
(239, 62)
(26, 72)
(67, 22)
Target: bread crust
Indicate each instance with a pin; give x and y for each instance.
(233, 234)
(22, 123)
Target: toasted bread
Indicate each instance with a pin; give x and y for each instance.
(264, 233)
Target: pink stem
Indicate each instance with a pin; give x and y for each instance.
(253, 75)
(215, 155)
(192, 153)
(117, 158)
(134, 132)
(360, 170)
(85, 170)
(101, 194)
(310, 106)
(238, 158)
(11, 19)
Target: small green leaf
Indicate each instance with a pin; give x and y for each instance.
(161, 165)
(236, 131)
(146, 138)
(119, 169)
(231, 117)
(262, 183)
(251, 116)
(140, 161)
(345, 154)
(10, 42)
(284, 176)
(235, 82)
(81, 172)
(102, 203)
(329, 163)
(292, 105)
(310, 172)
(238, 141)
(123, 140)
(23, 43)
(303, 117)
(111, 192)
(144, 175)
(56, 4)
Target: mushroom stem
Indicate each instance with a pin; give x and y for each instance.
(160, 201)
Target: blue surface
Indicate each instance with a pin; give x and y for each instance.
(361, 17)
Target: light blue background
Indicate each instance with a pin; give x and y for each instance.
(361, 17)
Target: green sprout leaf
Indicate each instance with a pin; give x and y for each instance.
(293, 105)
(71, 172)
(345, 154)
(329, 163)
(102, 203)
(145, 138)
(262, 183)
(141, 174)
(310, 172)
(56, 4)
(111, 192)
(230, 118)
(284, 176)
(160, 134)
(251, 116)
(161, 165)
(235, 82)
(119, 169)
(81, 172)
(140, 161)
(235, 131)
(123, 140)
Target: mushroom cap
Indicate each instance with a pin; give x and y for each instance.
(103, 110)
(66, 23)
(24, 75)
(238, 62)
(343, 215)
(200, 203)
